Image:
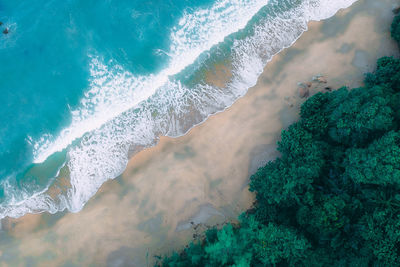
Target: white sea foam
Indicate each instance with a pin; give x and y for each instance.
(121, 113)
(113, 91)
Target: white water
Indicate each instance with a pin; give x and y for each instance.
(121, 112)
(114, 90)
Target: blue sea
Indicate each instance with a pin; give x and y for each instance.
(84, 85)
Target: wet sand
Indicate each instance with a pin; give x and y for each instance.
(171, 192)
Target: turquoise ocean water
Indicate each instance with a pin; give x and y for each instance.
(85, 84)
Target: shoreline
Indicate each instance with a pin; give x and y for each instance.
(87, 187)
(203, 174)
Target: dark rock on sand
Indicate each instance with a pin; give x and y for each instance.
(304, 92)
(319, 79)
(328, 88)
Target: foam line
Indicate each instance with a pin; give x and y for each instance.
(114, 90)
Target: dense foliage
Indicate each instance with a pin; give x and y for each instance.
(333, 197)
(395, 29)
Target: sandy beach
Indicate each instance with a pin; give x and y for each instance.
(171, 192)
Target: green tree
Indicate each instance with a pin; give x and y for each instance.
(288, 179)
(395, 29)
(362, 116)
(255, 243)
(377, 164)
(314, 116)
(382, 234)
(387, 74)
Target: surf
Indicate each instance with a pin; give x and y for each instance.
(122, 112)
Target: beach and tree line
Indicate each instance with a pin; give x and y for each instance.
(332, 198)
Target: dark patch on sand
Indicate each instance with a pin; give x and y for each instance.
(187, 152)
(151, 225)
(361, 60)
(345, 48)
(123, 257)
(215, 183)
